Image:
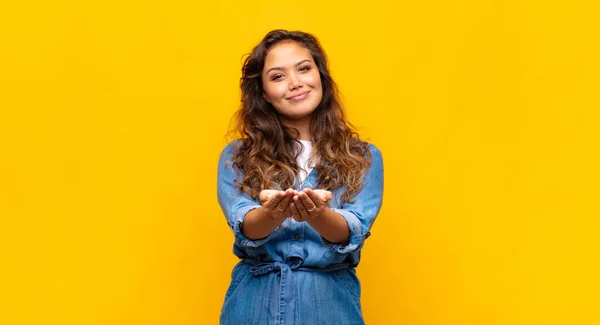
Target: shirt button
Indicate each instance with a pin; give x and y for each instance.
(297, 237)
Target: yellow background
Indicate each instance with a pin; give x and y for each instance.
(113, 114)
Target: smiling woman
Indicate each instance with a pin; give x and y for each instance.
(300, 191)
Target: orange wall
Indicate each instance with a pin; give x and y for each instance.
(112, 116)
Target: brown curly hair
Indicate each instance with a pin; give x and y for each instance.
(266, 156)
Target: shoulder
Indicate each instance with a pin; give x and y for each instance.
(229, 151)
(232, 147)
(373, 149)
(376, 155)
(376, 162)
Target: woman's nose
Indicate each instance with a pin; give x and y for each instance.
(295, 81)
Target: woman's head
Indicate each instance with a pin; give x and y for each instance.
(284, 65)
(285, 84)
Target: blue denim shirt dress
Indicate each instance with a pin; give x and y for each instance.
(295, 276)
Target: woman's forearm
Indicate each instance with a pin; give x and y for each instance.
(332, 226)
(258, 224)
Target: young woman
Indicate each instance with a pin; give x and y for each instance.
(299, 189)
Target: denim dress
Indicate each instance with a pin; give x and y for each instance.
(295, 276)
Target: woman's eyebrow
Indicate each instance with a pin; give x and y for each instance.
(279, 68)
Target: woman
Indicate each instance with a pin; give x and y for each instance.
(300, 191)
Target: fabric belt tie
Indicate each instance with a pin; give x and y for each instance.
(287, 286)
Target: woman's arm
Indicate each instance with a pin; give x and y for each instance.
(237, 205)
(332, 226)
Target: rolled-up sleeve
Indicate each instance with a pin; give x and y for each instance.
(234, 203)
(360, 215)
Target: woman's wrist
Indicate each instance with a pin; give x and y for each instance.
(259, 224)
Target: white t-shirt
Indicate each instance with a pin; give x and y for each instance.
(303, 160)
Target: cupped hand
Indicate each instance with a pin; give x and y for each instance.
(309, 204)
(276, 203)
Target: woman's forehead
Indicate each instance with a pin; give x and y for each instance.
(286, 54)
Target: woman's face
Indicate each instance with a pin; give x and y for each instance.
(291, 81)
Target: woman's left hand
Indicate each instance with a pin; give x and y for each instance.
(309, 204)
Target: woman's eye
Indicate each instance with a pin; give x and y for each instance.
(276, 77)
(305, 68)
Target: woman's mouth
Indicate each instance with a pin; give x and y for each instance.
(299, 96)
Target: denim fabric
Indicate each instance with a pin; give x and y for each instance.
(294, 275)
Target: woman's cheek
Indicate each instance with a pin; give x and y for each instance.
(278, 91)
(314, 80)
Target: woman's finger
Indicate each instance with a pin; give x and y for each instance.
(265, 195)
(316, 198)
(295, 213)
(309, 204)
(285, 201)
(299, 203)
(271, 203)
(323, 195)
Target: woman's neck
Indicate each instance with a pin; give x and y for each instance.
(303, 127)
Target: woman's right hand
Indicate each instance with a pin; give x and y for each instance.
(277, 203)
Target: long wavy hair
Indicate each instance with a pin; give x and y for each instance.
(267, 152)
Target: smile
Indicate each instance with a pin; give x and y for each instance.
(300, 96)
